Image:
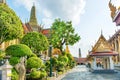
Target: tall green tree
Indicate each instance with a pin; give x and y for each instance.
(10, 24)
(63, 33)
(36, 41)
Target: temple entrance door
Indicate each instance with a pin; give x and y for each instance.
(106, 63)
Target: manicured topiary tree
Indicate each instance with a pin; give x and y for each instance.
(34, 74)
(10, 24)
(36, 41)
(34, 62)
(18, 50)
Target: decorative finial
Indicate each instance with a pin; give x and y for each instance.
(101, 32)
(33, 3)
(112, 9)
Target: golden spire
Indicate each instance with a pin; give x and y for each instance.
(112, 9)
(33, 19)
(67, 49)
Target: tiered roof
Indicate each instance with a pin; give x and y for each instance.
(102, 48)
(32, 25)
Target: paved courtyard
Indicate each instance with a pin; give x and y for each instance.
(82, 73)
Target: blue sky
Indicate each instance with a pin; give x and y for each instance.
(89, 17)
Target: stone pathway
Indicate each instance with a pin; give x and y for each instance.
(82, 73)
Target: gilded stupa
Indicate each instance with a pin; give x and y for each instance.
(32, 25)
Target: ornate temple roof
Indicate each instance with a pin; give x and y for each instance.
(117, 33)
(102, 48)
(102, 45)
(32, 25)
(115, 13)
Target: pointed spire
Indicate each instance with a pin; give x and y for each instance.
(79, 53)
(33, 19)
(101, 32)
(67, 49)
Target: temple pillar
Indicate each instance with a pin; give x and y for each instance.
(108, 63)
(118, 48)
(94, 63)
(111, 63)
(115, 49)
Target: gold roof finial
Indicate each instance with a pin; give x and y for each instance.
(112, 9)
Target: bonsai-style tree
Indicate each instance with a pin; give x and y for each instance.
(36, 41)
(10, 24)
(34, 62)
(36, 68)
(63, 33)
(18, 50)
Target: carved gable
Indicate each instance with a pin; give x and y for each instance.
(102, 45)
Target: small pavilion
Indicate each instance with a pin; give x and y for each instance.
(102, 55)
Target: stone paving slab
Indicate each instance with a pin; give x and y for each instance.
(82, 73)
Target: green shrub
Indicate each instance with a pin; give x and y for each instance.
(14, 75)
(10, 24)
(47, 64)
(34, 62)
(63, 59)
(34, 74)
(14, 60)
(18, 50)
(43, 74)
(36, 41)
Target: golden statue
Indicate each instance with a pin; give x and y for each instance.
(112, 9)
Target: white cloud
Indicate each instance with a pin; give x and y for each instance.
(47, 22)
(25, 3)
(47, 13)
(50, 9)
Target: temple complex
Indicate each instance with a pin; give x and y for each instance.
(115, 39)
(33, 25)
(30, 26)
(102, 55)
(115, 44)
